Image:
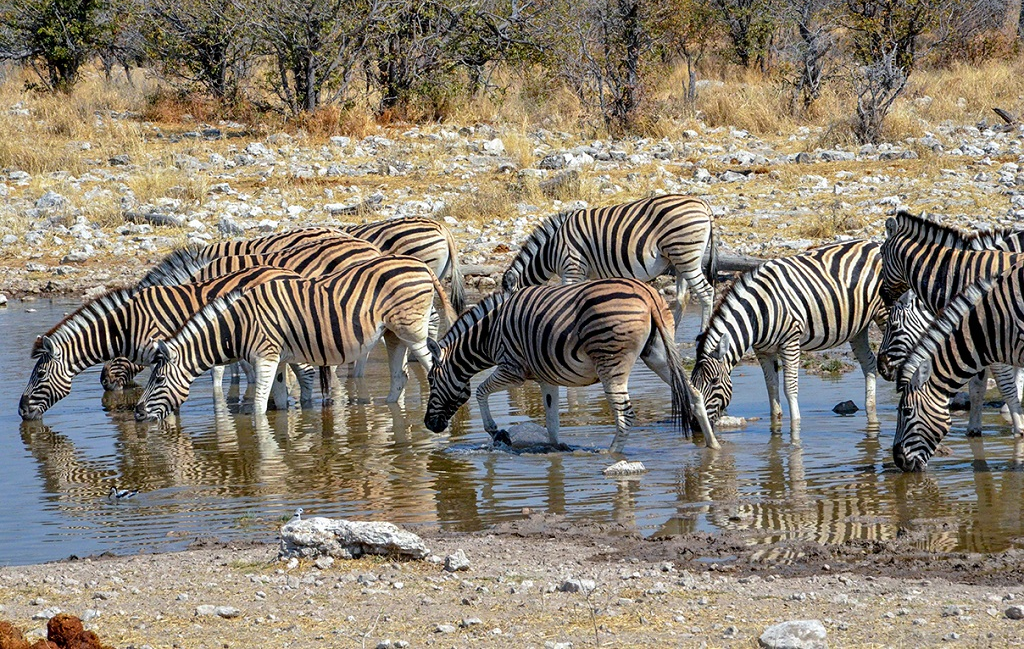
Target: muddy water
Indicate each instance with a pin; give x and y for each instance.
(212, 472)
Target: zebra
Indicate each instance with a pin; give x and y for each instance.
(324, 255)
(120, 323)
(177, 267)
(811, 301)
(324, 321)
(978, 328)
(907, 322)
(571, 335)
(428, 240)
(641, 240)
(917, 255)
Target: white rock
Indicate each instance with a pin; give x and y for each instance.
(495, 146)
(528, 434)
(3, 300)
(456, 561)
(795, 634)
(257, 149)
(577, 585)
(341, 140)
(46, 613)
(730, 422)
(51, 200)
(625, 467)
(347, 539)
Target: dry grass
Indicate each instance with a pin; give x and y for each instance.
(832, 220)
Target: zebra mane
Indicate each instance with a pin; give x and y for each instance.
(940, 330)
(88, 313)
(541, 234)
(472, 316)
(207, 316)
(176, 268)
(928, 229)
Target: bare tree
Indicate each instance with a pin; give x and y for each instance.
(121, 43)
(317, 46)
(751, 26)
(687, 29)
(204, 43)
(816, 22)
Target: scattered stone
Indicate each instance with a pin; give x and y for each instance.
(577, 585)
(120, 160)
(345, 539)
(470, 621)
(456, 561)
(952, 611)
(324, 563)
(444, 628)
(51, 200)
(3, 300)
(725, 421)
(46, 613)
(1015, 612)
(845, 408)
(795, 634)
(494, 147)
(624, 467)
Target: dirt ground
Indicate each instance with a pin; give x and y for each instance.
(697, 590)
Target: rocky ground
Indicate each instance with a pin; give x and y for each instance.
(538, 582)
(141, 188)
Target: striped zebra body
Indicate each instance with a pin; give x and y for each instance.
(811, 301)
(640, 240)
(324, 256)
(428, 240)
(177, 267)
(120, 324)
(980, 327)
(938, 262)
(561, 336)
(325, 321)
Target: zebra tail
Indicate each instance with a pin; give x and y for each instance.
(445, 313)
(682, 408)
(325, 380)
(458, 282)
(710, 263)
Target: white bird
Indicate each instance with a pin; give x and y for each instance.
(120, 494)
(298, 515)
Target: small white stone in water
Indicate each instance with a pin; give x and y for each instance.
(726, 421)
(625, 467)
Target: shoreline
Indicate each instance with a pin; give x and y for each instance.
(517, 592)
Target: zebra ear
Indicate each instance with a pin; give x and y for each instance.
(890, 226)
(435, 350)
(722, 350)
(921, 374)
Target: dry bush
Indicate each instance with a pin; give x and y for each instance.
(335, 120)
(493, 201)
(520, 148)
(831, 221)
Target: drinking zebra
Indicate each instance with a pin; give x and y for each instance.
(811, 301)
(571, 335)
(907, 322)
(978, 328)
(641, 240)
(121, 323)
(916, 255)
(325, 321)
(428, 240)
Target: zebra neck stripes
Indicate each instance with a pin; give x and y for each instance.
(536, 262)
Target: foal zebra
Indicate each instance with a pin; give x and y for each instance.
(121, 323)
(907, 323)
(428, 240)
(917, 256)
(325, 321)
(640, 240)
(811, 301)
(979, 328)
(571, 335)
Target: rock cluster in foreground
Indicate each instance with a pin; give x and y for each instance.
(317, 537)
(62, 632)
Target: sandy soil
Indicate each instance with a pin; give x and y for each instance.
(696, 590)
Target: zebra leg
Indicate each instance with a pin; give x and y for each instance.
(359, 367)
(279, 388)
(868, 365)
(307, 376)
(704, 290)
(266, 375)
(976, 389)
(250, 373)
(790, 354)
(618, 397)
(549, 393)
(770, 367)
(1006, 377)
(218, 375)
(682, 300)
(397, 363)
(502, 378)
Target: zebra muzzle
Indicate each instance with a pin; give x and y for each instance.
(27, 410)
(435, 424)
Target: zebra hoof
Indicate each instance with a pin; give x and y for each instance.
(327, 403)
(974, 432)
(501, 437)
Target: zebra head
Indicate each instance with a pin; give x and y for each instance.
(712, 376)
(50, 380)
(906, 324)
(923, 420)
(893, 283)
(168, 384)
(449, 389)
(118, 373)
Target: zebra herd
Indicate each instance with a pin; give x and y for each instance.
(949, 303)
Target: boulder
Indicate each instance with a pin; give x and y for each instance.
(795, 634)
(345, 539)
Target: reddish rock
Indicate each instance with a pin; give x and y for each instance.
(65, 631)
(11, 637)
(42, 644)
